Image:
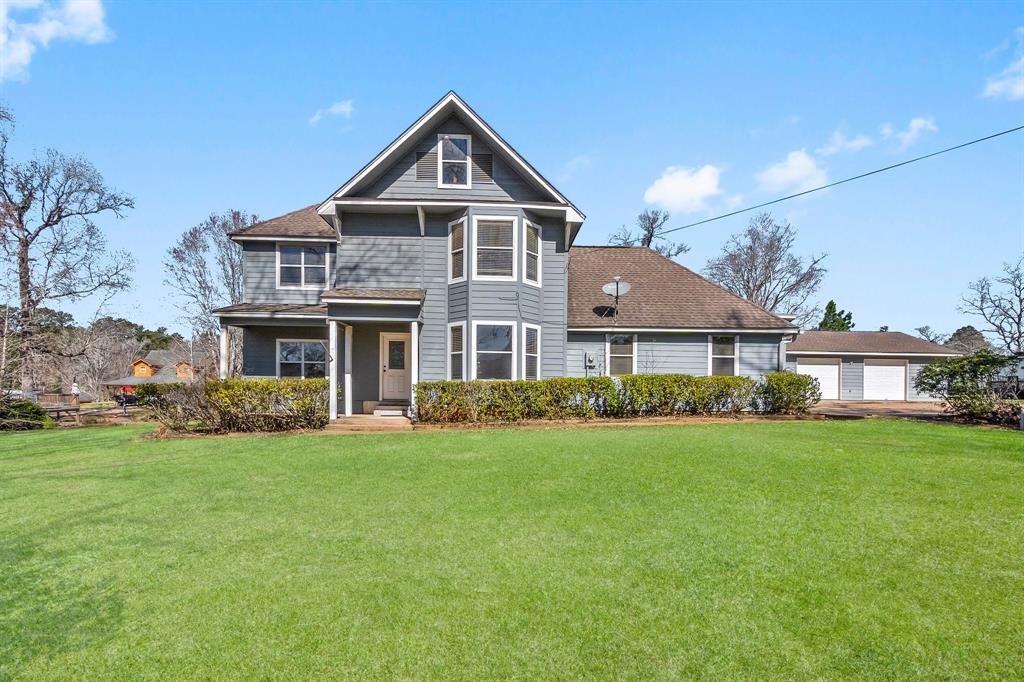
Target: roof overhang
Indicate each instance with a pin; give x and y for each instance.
(450, 104)
(566, 212)
(264, 238)
(886, 354)
(683, 330)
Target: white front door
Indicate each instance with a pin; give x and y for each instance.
(826, 371)
(885, 379)
(394, 366)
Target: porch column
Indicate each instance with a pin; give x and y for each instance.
(348, 370)
(414, 360)
(225, 350)
(332, 373)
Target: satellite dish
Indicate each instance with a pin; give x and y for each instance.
(616, 288)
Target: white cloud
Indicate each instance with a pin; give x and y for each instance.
(841, 143)
(574, 166)
(1009, 83)
(913, 132)
(798, 172)
(684, 190)
(39, 23)
(344, 108)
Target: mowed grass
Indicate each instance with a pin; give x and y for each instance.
(750, 549)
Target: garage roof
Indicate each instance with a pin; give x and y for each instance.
(864, 343)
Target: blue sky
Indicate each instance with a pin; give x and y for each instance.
(699, 108)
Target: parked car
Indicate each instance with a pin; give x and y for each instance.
(126, 399)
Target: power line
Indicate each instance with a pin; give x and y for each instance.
(840, 182)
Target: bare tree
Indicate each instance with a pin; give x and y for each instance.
(648, 233)
(46, 209)
(104, 350)
(759, 265)
(205, 268)
(968, 340)
(999, 301)
(928, 334)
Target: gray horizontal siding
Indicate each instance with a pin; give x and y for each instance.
(357, 312)
(458, 302)
(759, 354)
(400, 180)
(577, 346)
(672, 354)
(554, 278)
(259, 274)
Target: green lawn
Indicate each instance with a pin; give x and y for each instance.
(749, 549)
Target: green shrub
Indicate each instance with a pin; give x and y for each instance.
(240, 405)
(578, 398)
(786, 393)
(21, 415)
(969, 386)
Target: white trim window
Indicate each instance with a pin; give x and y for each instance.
(301, 359)
(457, 251)
(723, 355)
(456, 351)
(532, 248)
(301, 267)
(494, 350)
(620, 354)
(495, 240)
(531, 352)
(454, 154)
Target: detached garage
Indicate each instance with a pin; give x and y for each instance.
(863, 365)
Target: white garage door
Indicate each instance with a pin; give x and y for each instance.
(826, 371)
(885, 380)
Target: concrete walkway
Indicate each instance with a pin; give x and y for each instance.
(854, 409)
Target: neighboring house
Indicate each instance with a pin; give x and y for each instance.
(157, 367)
(864, 365)
(448, 256)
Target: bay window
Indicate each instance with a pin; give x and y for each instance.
(722, 354)
(301, 359)
(456, 351)
(494, 248)
(531, 352)
(494, 350)
(453, 161)
(457, 251)
(531, 255)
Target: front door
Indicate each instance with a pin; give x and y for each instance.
(394, 366)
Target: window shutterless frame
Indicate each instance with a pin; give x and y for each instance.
(608, 355)
(473, 344)
(301, 266)
(529, 352)
(453, 362)
(302, 362)
(735, 353)
(527, 253)
(514, 221)
(441, 161)
(454, 277)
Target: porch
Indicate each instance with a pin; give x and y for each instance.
(369, 355)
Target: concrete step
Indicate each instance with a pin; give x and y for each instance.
(368, 423)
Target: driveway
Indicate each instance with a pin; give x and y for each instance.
(853, 409)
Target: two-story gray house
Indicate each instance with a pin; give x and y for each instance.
(448, 256)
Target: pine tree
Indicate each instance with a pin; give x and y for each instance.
(836, 320)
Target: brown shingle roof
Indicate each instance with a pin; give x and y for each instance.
(853, 343)
(370, 294)
(664, 294)
(305, 222)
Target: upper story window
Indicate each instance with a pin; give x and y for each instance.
(494, 248)
(301, 267)
(621, 354)
(457, 251)
(531, 255)
(453, 161)
(722, 356)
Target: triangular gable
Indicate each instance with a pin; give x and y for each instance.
(449, 105)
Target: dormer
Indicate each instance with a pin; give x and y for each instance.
(141, 368)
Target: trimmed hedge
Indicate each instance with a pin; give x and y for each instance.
(239, 404)
(22, 415)
(635, 395)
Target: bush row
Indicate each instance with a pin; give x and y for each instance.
(239, 404)
(636, 395)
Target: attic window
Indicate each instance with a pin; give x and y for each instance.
(453, 161)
